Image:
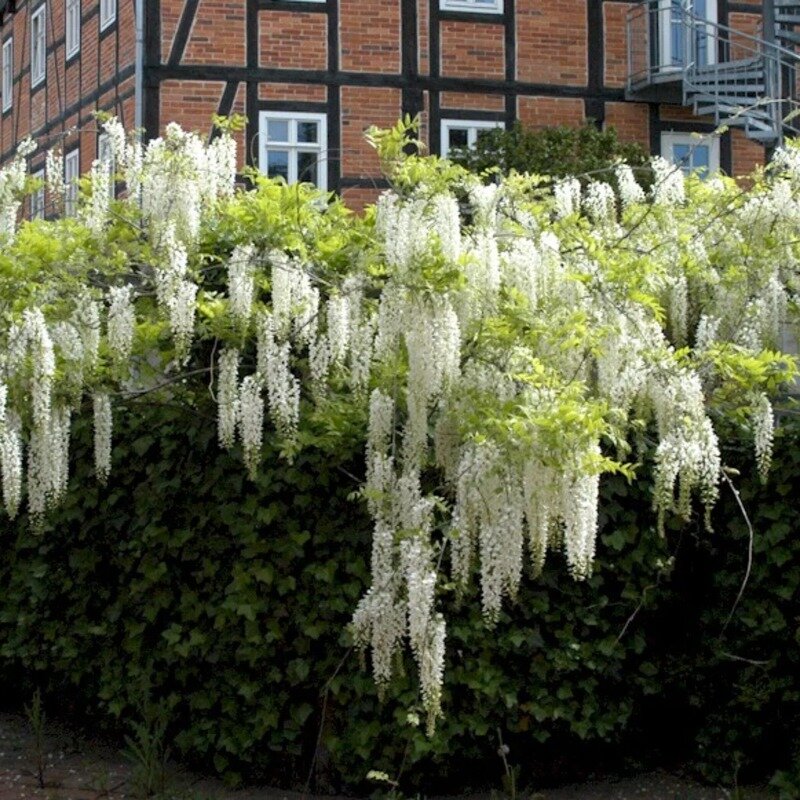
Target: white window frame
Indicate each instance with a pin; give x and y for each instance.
(105, 155)
(72, 171)
(72, 27)
(670, 138)
(8, 73)
(39, 45)
(293, 146)
(472, 6)
(108, 13)
(37, 198)
(472, 126)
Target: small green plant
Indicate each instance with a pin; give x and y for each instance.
(147, 751)
(510, 773)
(36, 717)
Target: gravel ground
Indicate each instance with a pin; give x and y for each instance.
(76, 769)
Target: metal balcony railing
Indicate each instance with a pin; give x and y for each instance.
(736, 78)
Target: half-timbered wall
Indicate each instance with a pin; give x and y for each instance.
(358, 62)
(99, 77)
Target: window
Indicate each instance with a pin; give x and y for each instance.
(108, 13)
(105, 155)
(691, 152)
(37, 198)
(458, 133)
(293, 146)
(72, 169)
(476, 6)
(38, 46)
(8, 73)
(72, 33)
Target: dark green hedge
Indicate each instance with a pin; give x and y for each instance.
(225, 603)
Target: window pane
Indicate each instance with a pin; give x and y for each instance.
(701, 157)
(278, 164)
(307, 132)
(308, 167)
(680, 154)
(278, 130)
(458, 137)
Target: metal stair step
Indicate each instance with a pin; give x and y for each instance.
(765, 137)
(737, 64)
(729, 101)
(732, 88)
(793, 37)
(724, 76)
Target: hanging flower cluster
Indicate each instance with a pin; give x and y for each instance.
(504, 342)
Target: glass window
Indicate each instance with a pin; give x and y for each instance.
(464, 132)
(108, 13)
(72, 170)
(73, 27)
(38, 46)
(37, 198)
(293, 146)
(8, 73)
(478, 6)
(692, 152)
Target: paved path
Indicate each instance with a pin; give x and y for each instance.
(78, 770)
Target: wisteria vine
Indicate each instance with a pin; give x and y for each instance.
(509, 343)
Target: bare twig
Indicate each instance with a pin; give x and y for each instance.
(635, 613)
(746, 578)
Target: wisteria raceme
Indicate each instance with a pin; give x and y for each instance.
(181, 317)
(447, 225)
(241, 285)
(121, 322)
(630, 192)
(12, 181)
(118, 141)
(678, 307)
(283, 388)
(600, 202)
(763, 433)
(227, 396)
(86, 319)
(96, 210)
(11, 463)
(103, 424)
(319, 364)
(567, 196)
(251, 422)
(338, 318)
(40, 347)
(68, 342)
(668, 186)
(54, 173)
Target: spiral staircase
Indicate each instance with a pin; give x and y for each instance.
(738, 79)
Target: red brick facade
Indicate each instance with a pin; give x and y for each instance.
(354, 63)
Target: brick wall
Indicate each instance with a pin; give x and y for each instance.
(369, 35)
(631, 121)
(544, 112)
(73, 89)
(470, 49)
(293, 40)
(205, 68)
(552, 42)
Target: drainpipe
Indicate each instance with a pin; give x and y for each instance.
(773, 57)
(768, 21)
(138, 114)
